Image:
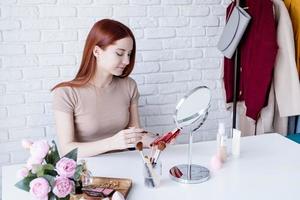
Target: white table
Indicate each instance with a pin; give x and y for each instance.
(268, 168)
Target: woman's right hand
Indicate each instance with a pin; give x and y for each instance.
(127, 138)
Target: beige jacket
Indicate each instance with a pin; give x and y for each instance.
(284, 97)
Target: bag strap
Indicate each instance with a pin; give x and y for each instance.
(233, 4)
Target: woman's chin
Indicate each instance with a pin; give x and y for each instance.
(117, 72)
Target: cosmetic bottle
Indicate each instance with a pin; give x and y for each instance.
(222, 142)
(86, 175)
(236, 142)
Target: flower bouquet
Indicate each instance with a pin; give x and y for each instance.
(46, 175)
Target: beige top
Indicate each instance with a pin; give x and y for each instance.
(98, 112)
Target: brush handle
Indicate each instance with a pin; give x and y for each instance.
(151, 134)
(149, 175)
(143, 157)
(155, 157)
(155, 178)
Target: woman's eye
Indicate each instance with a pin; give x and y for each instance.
(119, 54)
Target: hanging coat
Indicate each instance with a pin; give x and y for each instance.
(258, 50)
(293, 7)
(284, 96)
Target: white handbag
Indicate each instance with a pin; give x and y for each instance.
(233, 31)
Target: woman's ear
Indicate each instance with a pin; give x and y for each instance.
(97, 51)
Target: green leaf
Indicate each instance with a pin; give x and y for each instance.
(54, 197)
(50, 179)
(65, 198)
(78, 172)
(40, 172)
(53, 156)
(51, 196)
(50, 172)
(72, 154)
(48, 167)
(24, 183)
(43, 169)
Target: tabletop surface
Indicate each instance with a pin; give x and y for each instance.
(268, 168)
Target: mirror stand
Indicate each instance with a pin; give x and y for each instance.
(189, 173)
(191, 111)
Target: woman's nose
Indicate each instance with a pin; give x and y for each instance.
(126, 60)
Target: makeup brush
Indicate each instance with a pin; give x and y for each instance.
(154, 179)
(147, 132)
(139, 147)
(151, 134)
(152, 152)
(147, 165)
(160, 147)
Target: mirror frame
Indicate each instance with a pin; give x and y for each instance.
(194, 116)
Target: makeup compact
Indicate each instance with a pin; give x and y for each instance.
(102, 188)
(97, 191)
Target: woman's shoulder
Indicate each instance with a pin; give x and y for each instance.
(66, 92)
(127, 81)
(64, 99)
(128, 85)
(63, 90)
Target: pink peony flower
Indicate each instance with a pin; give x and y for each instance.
(33, 161)
(40, 188)
(39, 149)
(22, 173)
(26, 143)
(66, 167)
(62, 186)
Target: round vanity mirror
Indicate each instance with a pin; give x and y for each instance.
(191, 112)
(192, 106)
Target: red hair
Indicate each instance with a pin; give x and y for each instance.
(104, 33)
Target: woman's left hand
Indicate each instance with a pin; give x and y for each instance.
(148, 138)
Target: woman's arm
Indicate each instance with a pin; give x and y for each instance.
(134, 117)
(134, 121)
(65, 130)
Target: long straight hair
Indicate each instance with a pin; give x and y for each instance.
(104, 33)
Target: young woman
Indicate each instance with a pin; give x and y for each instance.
(97, 111)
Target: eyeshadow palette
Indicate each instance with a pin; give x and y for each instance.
(95, 191)
(104, 187)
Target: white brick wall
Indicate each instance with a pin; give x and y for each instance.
(41, 45)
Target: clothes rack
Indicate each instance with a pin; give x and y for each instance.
(236, 81)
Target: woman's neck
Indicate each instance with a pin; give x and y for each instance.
(101, 80)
